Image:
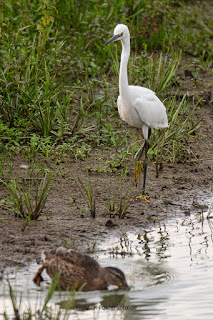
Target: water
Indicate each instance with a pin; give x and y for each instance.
(169, 269)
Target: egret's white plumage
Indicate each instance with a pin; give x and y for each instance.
(138, 106)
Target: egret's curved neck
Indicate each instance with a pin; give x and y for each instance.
(123, 77)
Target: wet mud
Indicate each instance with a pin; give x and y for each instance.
(180, 189)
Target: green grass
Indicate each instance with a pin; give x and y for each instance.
(41, 311)
(28, 197)
(174, 140)
(53, 62)
(118, 203)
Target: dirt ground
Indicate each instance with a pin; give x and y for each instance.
(180, 189)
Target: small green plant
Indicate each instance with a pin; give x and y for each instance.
(88, 191)
(6, 166)
(70, 243)
(39, 312)
(27, 200)
(15, 304)
(206, 62)
(38, 147)
(120, 202)
(116, 162)
(54, 284)
(124, 204)
(162, 73)
(181, 125)
(90, 194)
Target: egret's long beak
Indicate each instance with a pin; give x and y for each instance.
(114, 38)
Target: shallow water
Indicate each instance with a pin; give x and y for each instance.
(169, 269)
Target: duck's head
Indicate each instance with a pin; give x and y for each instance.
(115, 277)
(121, 32)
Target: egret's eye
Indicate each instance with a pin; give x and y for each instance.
(121, 34)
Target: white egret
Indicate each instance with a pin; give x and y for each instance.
(138, 106)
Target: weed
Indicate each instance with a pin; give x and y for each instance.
(162, 73)
(13, 298)
(88, 191)
(90, 195)
(181, 127)
(70, 244)
(119, 203)
(6, 166)
(38, 147)
(40, 311)
(28, 202)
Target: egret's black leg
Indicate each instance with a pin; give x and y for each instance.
(138, 156)
(161, 154)
(158, 146)
(141, 151)
(138, 167)
(146, 148)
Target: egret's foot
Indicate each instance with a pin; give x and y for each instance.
(138, 170)
(145, 198)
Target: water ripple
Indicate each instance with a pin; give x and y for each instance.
(169, 269)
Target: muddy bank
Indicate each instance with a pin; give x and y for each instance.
(180, 189)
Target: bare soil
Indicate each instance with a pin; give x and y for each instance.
(181, 189)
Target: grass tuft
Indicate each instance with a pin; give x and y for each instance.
(28, 198)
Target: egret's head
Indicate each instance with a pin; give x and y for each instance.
(121, 32)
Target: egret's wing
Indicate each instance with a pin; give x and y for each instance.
(151, 111)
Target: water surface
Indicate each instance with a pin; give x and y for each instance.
(169, 269)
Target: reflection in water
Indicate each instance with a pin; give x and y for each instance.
(168, 269)
(108, 301)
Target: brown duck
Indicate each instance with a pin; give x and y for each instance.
(79, 271)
